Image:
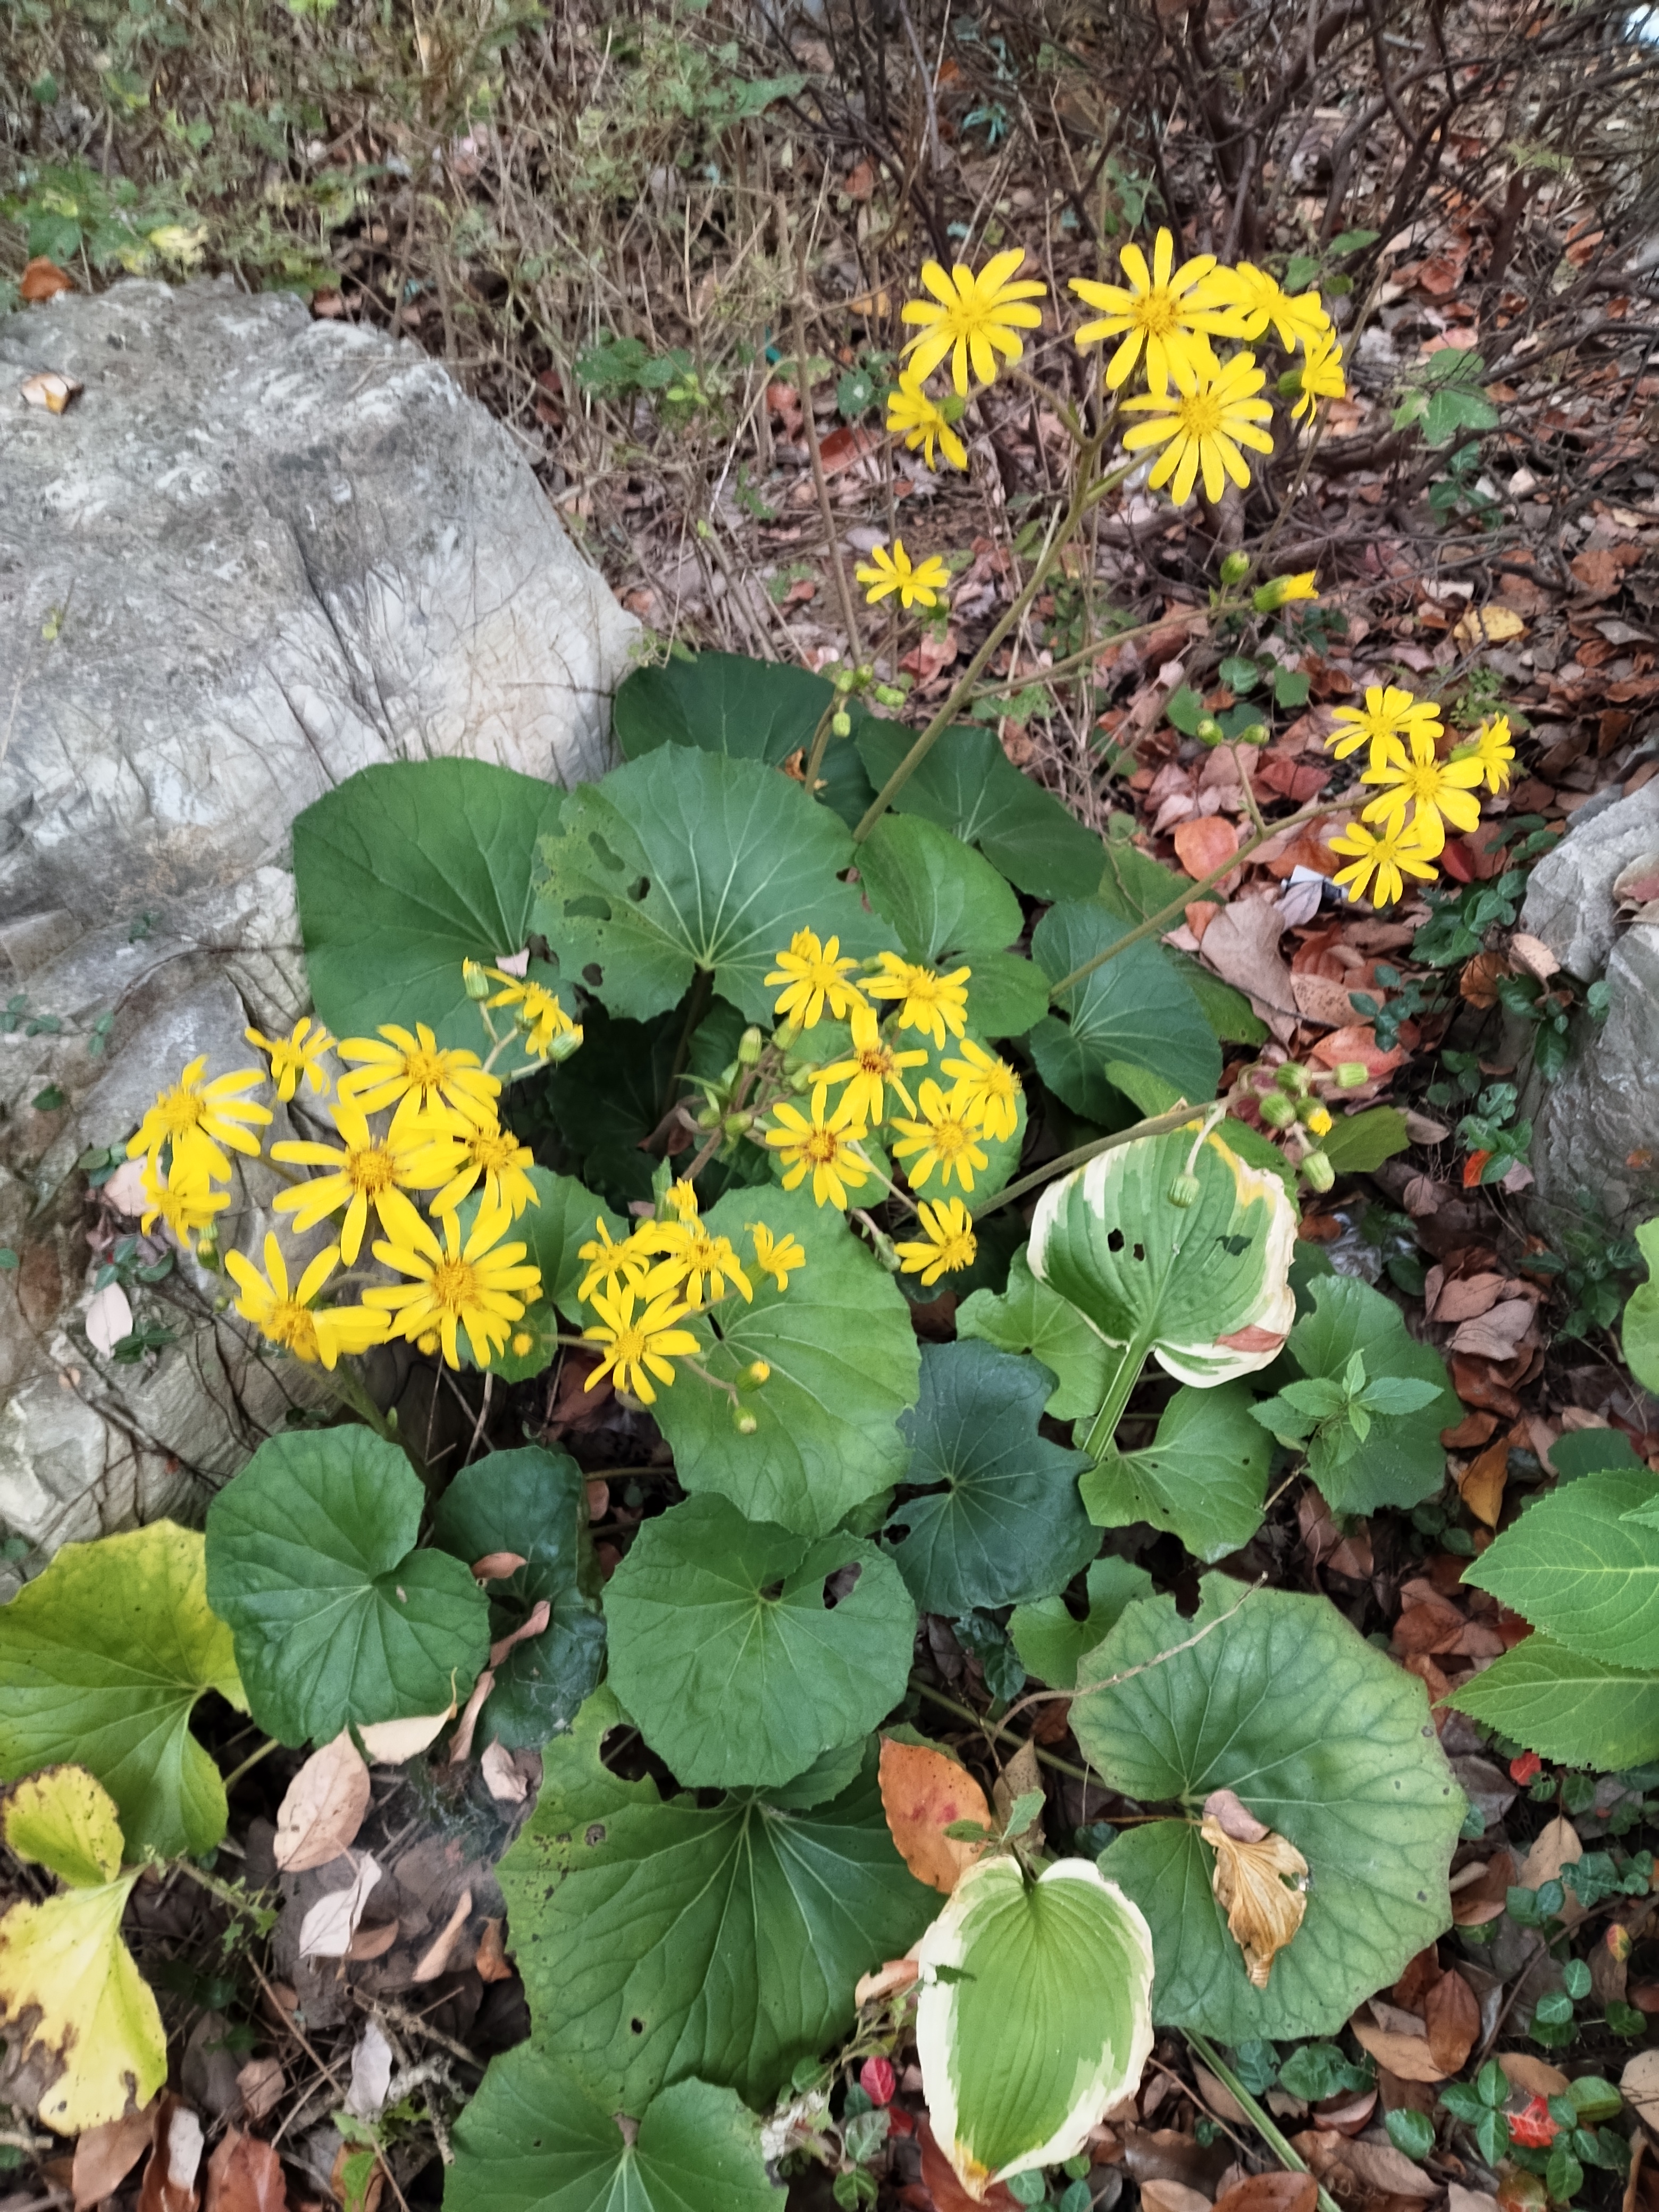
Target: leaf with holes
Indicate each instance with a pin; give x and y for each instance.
(1007, 1523)
(664, 1939)
(1203, 1477)
(1327, 1742)
(1028, 1316)
(687, 860)
(1130, 1024)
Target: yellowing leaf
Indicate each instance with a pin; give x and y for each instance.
(65, 1819)
(1495, 625)
(1260, 1882)
(923, 1792)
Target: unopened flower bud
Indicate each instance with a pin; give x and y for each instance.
(739, 1124)
(1349, 1074)
(886, 1253)
(889, 695)
(207, 1249)
(1293, 1077)
(1209, 732)
(750, 1045)
(1254, 733)
(803, 1079)
(744, 1421)
(785, 1034)
(523, 1343)
(709, 1118)
(1315, 1118)
(474, 981)
(1277, 1111)
(566, 1042)
(1319, 1171)
(1290, 385)
(842, 724)
(1184, 1190)
(756, 1376)
(1235, 567)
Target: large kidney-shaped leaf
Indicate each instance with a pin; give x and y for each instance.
(70, 1994)
(1203, 1477)
(949, 906)
(1131, 1019)
(532, 1502)
(1583, 1570)
(1008, 1523)
(659, 1940)
(968, 786)
(533, 2139)
(844, 1366)
(686, 861)
(1328, 1743)
(1578, 1710)
(336, 1617)
(726, 1650)
(102, 1659)
(403, 872)
(1205, 1287)
(1041, 2019)
(1028, 1316)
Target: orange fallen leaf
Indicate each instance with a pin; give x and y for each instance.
(104, 2156)
(1481, 1488)
(1453, 2014)
(922, 1792)
(42, 279)
(245, 2175)
(1204, 844)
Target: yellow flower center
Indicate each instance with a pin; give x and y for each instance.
(454, 1285)
(426, 1069)
(183, 1110)
(1199, 414)
(290, 1324)
(492, 1150)
(628, 1347)
(1157, 314)
(371, 1170)
(820, 1146)
(950, 1137)
(875, 1059)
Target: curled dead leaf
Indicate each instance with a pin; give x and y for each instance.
(496, 1566)
(1260, 1882)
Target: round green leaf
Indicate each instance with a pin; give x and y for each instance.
(728, 1653)
(937, 893)
(1402, 1460)
(533, 1501)
(1008, 1523)
(663, 1940)
(1203, 1477)
(1327, 1742)
(1040, 2019)
(1204, 1287)
(337, 1617)
(533, 2140)
(1583, 1569)
(684, 861)
(403, 872)
(102, 1659)
(1581, 1711)
(1028, 1316)
(1135, 1013)
(844, 1365)
(1049, 1638)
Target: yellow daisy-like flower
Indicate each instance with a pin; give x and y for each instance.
(929, 1002)
(1387, 713)
(610, 1264)
(1318, 1123)
(777, 1257)
(1283, 590)
(287, 1316)
(917, 585)
(946, 1244)
(975, 317)
(300, 1054)
(638, 1345)
(183, 1198)
(681, 1198)
(689, 1255)
(538, 1012)
(824, 1147)
(923, 421)
(989, 1085)
(1214, 411)
(1430, 786)
(1397, 854)
(1493, 748)
(197, 1118)
(459, 1157)
(946, 1137)
(816, 976)
(1253, 299)
(872, 1064)
(480, 1284)
(397, 1065)
(1162, 311)
(363, 1170)
(1321, 376)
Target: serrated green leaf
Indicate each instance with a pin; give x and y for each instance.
(725, 1653)
(403, 872)
(533, 2139)
(336, 1617)
(1051, 1641)
(940, 895)
(1639, 1332)
(1402, 1460)
(684, 861)
(845, 1365)
(1029, 1316)
(1203, 1477)
(1134, 1010)
(102, 1659)
(533, 1501)
(1327, 1742)
(1008, 1524)
(659, 1940)
(1581, 1570)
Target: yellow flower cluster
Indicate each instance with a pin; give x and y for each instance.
(1201, 408)
(939, 1130)
(1420, 791)
(670, 1268)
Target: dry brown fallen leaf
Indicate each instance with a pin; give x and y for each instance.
(245, 2175)
(260, 2084)
(501, 1777)
(169, 2183)
(322, 1807)
(938, 2178)
(389, 1743)
(1536, 2076)
(328, 1928)
(1260, 1881)
(1242, 946)
(492, 1962)
(436, 1958)
(1459, 2199)
(1480, 1485)
(42, 279)
(1555, 1845)
(922, 1792)
(50, 390)
(1453, 2014)
(496, 1566)
(1173, 2197)
(104, 2156)
(109, 1318)
(1496, 1334)
(1640, 2084)
(1018, 1778)
(1403, 2049)
(1270, 2192)
(1532, 954)
(892, 1975)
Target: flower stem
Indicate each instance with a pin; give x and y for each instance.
(843, 589)
(1176, 1118)
(1119, 1391)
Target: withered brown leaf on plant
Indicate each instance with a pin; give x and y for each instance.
(1260, 1881)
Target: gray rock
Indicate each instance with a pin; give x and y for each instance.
(257, 553)
(1595, 1131)
(1570, 902)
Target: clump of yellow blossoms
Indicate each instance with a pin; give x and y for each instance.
(1423, 787)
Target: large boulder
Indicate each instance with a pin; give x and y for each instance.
(1595, 1142)
(257, 553)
